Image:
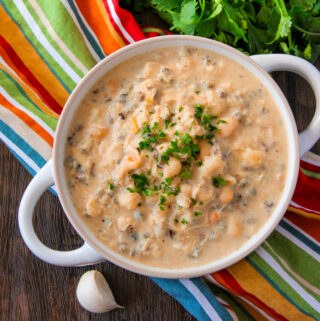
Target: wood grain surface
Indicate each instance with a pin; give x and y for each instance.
(33, 290)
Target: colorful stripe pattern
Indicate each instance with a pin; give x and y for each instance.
(46, 47)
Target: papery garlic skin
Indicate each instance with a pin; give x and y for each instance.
(94, 293)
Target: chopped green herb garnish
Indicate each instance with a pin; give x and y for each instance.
(198, 92)
(141, 184)
(222, 121)
(201, 203)
(160, 174)
(151, 112)
(186, 139)
(168, 180)
(199, 164)
(173, 124)
(166, 123)
(155, 125)
(218, 181)
(184, 221)
(147, 192)
(186, 174)
(199, 110)
(170, 190)
(180, 108)
(176, 220)
(145, 129)
(176, 133)
(197, 213)
(194, 202)
(162, 202)
(111, 186)
(162, 134)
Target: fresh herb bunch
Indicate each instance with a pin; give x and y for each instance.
(252, 26)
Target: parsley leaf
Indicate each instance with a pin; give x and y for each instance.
(186, 174)
(111, 186)
(218, 181)
(184, 221)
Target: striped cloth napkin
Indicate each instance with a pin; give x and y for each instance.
(46, 47)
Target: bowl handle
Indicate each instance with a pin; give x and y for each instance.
(40, 183)
(281, 62)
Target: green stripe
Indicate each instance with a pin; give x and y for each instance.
(310, 174)
(17, 93)
(160, 32)
(43, 28)
(279, 284)
(64, 77)
(238, 308)
(94, 43)
(67, 31)
(297, 259)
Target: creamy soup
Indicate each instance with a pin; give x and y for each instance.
(176, 158)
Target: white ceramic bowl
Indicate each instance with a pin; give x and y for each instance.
(93, 250)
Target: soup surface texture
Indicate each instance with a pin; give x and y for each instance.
(176, 158)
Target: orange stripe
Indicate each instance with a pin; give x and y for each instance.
(27, 120)
(96, 16)
(31, 94)
(304, 213)
(13, 35)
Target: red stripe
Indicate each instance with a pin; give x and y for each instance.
(307, 192)
(309, 167)
(127, 21)
(29, 77)
(234, 286)
(309, 225)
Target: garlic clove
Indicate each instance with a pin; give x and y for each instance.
(94, 293)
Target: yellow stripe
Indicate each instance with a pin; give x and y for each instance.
(13, 35)
(31, 94)
(106, 18)
(304, 213)
(250, 280)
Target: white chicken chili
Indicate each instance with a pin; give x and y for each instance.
(176, 157)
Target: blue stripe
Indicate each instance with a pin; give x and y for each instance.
(95, 45)
(181, 294)
(220, 309)
(26, 148)
(22, 144)
(257, 268)
(43, 115)
(21, 160)
(34, 47)
(300, 236)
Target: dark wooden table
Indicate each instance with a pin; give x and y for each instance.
(33, 290)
